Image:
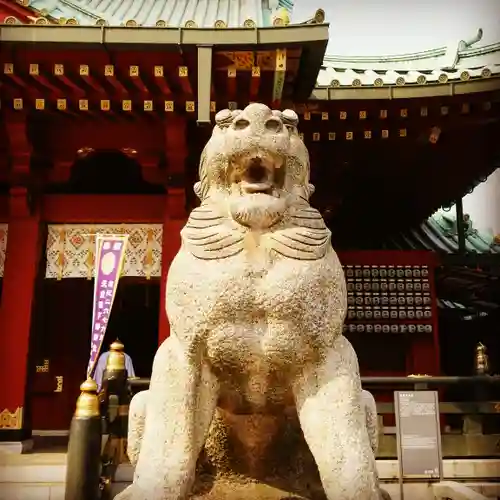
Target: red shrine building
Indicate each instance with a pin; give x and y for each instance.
(106, 107)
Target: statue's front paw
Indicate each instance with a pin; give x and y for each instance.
(131, 493)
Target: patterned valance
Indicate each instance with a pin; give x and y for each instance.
(4, 229)
(71, 249)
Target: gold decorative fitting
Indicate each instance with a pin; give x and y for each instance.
(378, 82)
(190, 106)
(231, 72)
(213, 107)
(8, 69)
(383, 114)
(61, 104)
(72, 22)
(368, 134)
(83, 104)
(335, 83)
(18, 104)
(356, 82)
(324, 115)
(10, 20)
(190, 24)
(402, 132)
(127, 105)
(421, 80)
(148, 105)
(169, 106)
(101, 22)
(41, 21)
(59, 69)
(319, 16)
(11, 420)
(362, 115)
(105, 105)
(486, 73)
(385, 134)
(183, 71)
(486, 106)
(249, 23)
(464, 76)
(307, 115)
(158, 71)
(343, 115)
(316, 136)
(116, 358)
(161, 23)
(400, 81)
(256, 71)
(109, 70)
(87, 404)
(349, 136)
(424, 111)
(465, 107)
(332, 136)
(43, 368)
(445, 110)
(131, 23)
(59, 383)
(34, 69)
(40, 104)
(133, 71)
(220, 24)
(443, 78)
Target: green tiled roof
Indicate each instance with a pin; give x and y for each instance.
(194, 13)
(439, 233)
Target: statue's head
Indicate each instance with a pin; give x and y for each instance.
(255, 165)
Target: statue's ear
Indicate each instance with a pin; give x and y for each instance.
(223, 118)
(290, 117)
(310, 190)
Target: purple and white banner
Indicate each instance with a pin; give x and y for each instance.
(109, 260)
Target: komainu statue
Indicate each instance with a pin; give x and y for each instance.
(256, 387)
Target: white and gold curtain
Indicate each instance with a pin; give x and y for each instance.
(71, 249)
(4, 230)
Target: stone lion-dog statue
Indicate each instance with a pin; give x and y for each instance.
(256, 299)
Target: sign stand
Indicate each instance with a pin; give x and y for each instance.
(418, 436)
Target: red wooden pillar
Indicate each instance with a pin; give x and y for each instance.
(20, 272)
(175, 212)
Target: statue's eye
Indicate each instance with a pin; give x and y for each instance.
(273, 125)
(241, 124)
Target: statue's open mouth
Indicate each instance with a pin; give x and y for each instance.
(257, 174)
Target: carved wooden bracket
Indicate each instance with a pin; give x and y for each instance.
(20, 202)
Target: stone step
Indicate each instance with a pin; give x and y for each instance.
(41, 476)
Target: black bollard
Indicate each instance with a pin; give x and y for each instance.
(84, 451)
(117, 399)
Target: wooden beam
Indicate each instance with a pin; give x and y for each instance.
(279, 76)
(9, 72)
(183, 73)
(74, 209)
(109, 73)
(85, 75)
(34, 71)
(255, 83)
(134, 74)
(59, 73)
(159, 76)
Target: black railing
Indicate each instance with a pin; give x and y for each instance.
(93, 467)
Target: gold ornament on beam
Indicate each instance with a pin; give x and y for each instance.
(324, 115)
(349, 136)
(403, 113)
(83, 104)
(148, 105)
(307, 115)
(385, 134)
(8, 69)
(109, 70)
(316, 136)
(424, 111)
(368, 134)
(332, 136)
(40, 104)
(402, 132)
(169, 106)
(343, 115)
(105, 105)
(34, 69)
(445, 110)
(213, 107)
(362, 115)
(190, 106)
(383, 114)
(18, 104)
(133, 71)
(127, 105)
(61, 104)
